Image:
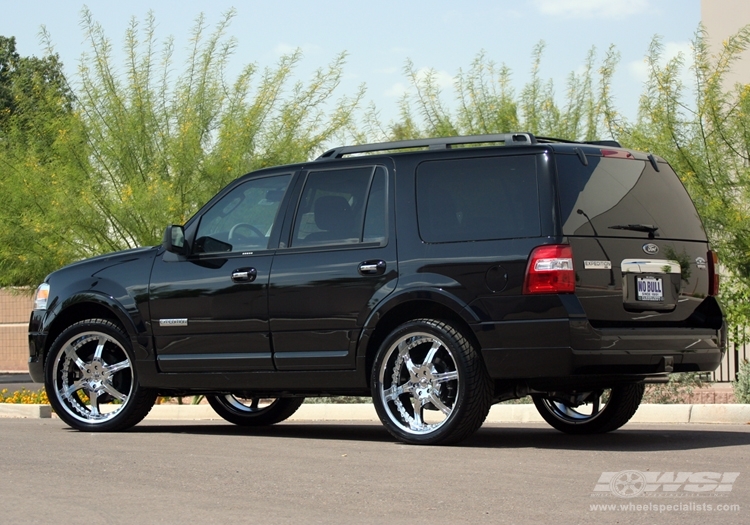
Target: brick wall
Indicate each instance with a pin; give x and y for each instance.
(15, 308)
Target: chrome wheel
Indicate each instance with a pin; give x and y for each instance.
(92, 370)
(429, 384)
(419, 383)
(590, 412)
(91, 380)
(254, 411)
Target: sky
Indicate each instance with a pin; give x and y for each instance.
(380, 36)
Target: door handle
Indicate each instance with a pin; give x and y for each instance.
(244, 275)
(372, 267)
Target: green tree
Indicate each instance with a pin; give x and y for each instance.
(35, 111)
(487, 102)
(145, 146)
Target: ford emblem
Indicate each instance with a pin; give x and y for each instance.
(650, 248)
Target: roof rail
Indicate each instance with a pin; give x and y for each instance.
(437, 143)
(610, 143)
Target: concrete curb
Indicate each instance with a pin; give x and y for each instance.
(704, 414)
(25, 411)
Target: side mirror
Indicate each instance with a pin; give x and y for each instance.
(174, 240)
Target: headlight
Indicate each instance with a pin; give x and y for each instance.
(40, 299)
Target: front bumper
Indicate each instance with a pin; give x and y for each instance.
(37, 342)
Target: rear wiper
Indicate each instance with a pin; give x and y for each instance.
(647, 228)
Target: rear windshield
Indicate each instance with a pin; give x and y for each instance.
(609, 194)
(478, 199)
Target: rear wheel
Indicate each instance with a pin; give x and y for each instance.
(254, 411)
(590, 412)
(91, 379)
(429, 384)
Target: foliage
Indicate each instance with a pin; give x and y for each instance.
(35, 113)
(25, 86)
(741, 386)
(487, 102)
(144, 147)
(24, 397)
(192, 400)
(338, 400)
(678, 389)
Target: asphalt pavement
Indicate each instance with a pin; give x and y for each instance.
(330, 473)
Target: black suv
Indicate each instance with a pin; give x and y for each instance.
(439, 276)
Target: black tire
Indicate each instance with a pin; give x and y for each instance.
(427, 364)
(599, 417)
(90, 365)
(248, 412)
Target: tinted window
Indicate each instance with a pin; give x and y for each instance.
(621, 192)
(375, 224)
(243, 218)
(478, 199)
(343, 206)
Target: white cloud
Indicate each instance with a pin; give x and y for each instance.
(397, 90)
(591, 8)
(442, 79)
(639, 68)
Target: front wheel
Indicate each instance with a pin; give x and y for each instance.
(429, 384)
(91, 380)
(254, 411)
(590, 412)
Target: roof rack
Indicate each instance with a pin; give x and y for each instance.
(610, 143)
(438, 143)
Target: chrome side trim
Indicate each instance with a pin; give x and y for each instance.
(173, 322)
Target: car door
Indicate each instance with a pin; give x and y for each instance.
(209, 309)
(336, 262)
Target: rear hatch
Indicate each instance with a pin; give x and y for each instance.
(639, 247)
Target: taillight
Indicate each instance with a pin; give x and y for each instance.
(550, 270)
(713, 275)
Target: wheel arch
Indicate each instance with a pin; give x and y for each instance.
(407, 307)
(89, 305)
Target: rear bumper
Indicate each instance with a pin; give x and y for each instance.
(554, 349)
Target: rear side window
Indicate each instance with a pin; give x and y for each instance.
(342, 206)
(478, 199)
(612, 192)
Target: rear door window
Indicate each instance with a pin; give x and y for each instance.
(478, 199)
(609, 194)
(342, 206)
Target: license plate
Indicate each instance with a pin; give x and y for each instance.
(649, 289)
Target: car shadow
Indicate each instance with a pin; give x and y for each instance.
(636, 438)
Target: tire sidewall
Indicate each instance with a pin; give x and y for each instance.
(281, 409)
(607, 420)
